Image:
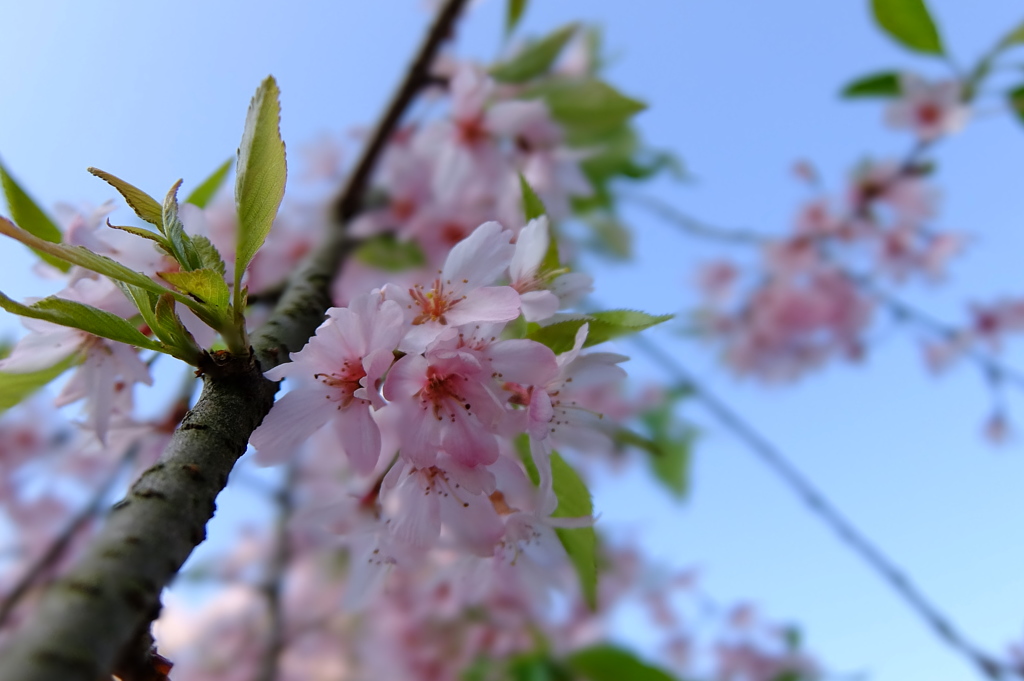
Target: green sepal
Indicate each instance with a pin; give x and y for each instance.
(80, 316)
(586, 108)
(181, 245)
(611, 663)
(536, 58)
(387, 252)
(885, 84)
(260, 176)
(27, 213)
(206, 286)
(910, 23)
(603, 326)
(16, 387)
(83, 257)
(201, 195)
(144, 205)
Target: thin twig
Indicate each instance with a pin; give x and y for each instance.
(821, 507)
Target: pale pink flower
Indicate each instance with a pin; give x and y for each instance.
(338, 374)
(930, 110)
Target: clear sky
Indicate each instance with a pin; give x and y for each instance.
(157, 91)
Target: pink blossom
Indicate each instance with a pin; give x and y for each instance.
(930, 110)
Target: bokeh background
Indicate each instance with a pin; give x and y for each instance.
(157, 91)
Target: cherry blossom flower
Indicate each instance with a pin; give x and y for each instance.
(931, 110)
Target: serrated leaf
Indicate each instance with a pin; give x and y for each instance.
(1015, 99)
(611, 663)
(181, 245)
(261, 171)
(27, 213)
(587, 108)
(881, 84)
(78, 255)
(80, 316)
(535, 59)
(513, 14)
(209, 256)
(144, 205)
(910, 23)
(204, 285)
(160, 239)
(386, 252)
(16, 387)
(202, 194)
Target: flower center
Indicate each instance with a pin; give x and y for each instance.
(345, 381)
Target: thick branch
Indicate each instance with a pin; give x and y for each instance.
(110, 597)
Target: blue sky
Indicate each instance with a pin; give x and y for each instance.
(740, 91)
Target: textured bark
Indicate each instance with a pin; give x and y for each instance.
(104, 606)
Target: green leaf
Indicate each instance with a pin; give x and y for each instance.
(259, 184)
(160, 239)
(144, 205)
(386, 252)
(580, 543)
(205, 285)
(181, 245)
(16, 387)
(77, 255)
(168, 327)
(611, 663)
(202, 194)
(881, 84)
(533, 207)
(536, 58)
(603, 326)
(609, 236)
(513, 14)
(31, 217)
(1015, 98)
(1014, 37)
(209, 256)
(79, 316)
(587, 108)
(910, 23)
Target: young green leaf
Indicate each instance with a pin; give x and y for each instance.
(259, 184)
(1014, 37)
(202, 194)
(160, 239)
(77, 255)
(386, 252)
(536, 58)
(882, 84)
(16, 387)
(168, 327)
(204, 285)
(181, 245)
(910, 23)
(209, 256)
(79, 316)
(31, 217)
(603, 326)
(513, 14)
(611, 663)
(144, 205)
(587, 108)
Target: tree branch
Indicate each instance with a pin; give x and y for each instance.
(820, 506)
(109, 598)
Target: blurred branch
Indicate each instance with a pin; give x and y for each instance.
(274, 583)
(820, 506)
